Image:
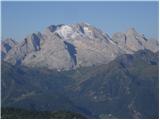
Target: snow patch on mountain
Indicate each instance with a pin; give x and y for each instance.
(65, 31)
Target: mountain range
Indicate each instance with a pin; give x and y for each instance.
(80, 69)
(65, 47)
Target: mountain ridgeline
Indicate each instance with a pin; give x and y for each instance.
(78, 71)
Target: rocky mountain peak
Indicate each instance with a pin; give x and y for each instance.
(9, 41)
(52, 28)
(83, 24)
(132, 41)
(7, 45)
(76, 31)
(131, 31)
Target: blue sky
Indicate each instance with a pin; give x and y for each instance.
(20, 19)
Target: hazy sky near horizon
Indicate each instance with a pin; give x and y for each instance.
(20, 19)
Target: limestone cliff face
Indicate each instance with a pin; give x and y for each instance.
(65, 47)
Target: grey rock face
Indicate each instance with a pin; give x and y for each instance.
(131, 41)
(17, 54)
(7, 45)
(65, 47)
(53, 55)
(152, 45)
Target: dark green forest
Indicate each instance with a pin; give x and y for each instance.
(13, 113)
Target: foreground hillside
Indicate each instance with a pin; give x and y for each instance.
(10, 113)
(127, 87)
